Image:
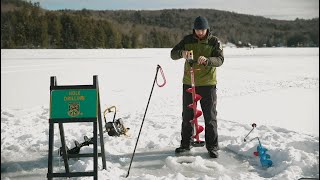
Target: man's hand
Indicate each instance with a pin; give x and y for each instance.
(202, 60)
(184, 54)
(188, 56)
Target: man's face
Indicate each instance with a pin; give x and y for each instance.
(201, 33)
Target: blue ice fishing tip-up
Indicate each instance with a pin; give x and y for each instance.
(261, 151)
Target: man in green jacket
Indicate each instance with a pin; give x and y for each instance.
(208, 54)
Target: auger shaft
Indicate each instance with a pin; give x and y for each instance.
(197, 129)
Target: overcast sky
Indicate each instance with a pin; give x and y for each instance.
(275, 9)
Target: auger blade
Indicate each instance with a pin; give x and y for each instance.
(200, 129)
(189, 90)
(193, 121)
(198, 143)
(198, 113)
(197, 97)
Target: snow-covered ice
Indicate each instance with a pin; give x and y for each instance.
(276, 88)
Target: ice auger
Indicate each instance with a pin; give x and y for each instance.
(197, 129)
(261, 151)
(115, 127)
(78, 146)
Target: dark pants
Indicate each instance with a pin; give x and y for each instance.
(208, 105)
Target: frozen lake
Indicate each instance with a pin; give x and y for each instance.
(276, 88)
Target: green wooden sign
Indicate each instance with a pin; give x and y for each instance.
(74, 103)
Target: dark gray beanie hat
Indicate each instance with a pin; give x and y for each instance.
(201, 23)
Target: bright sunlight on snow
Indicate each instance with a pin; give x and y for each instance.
(276, 88)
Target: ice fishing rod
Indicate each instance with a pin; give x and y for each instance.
(154, 81)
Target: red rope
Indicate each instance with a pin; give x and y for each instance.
(163, 77)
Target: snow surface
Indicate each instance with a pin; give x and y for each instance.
(276, 88)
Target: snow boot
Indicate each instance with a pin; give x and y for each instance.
(182, 149)
(213, 153)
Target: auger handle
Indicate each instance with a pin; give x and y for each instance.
(253, 126)
(108, 110)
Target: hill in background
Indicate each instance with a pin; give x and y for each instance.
(27, 25)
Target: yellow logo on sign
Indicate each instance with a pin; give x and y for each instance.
(74, 109)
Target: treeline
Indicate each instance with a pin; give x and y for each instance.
(32, 27)
(27, 25)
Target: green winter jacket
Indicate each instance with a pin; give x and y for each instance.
(210, 48)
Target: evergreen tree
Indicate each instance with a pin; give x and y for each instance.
(27, 25)
(54, 30)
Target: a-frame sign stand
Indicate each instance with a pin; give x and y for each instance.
(75, 104)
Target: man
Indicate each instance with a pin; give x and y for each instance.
(208, 54)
